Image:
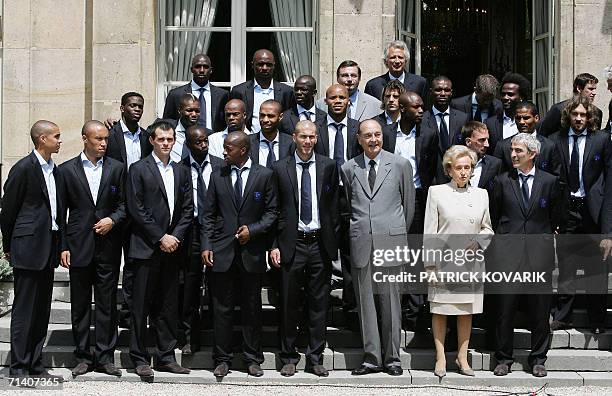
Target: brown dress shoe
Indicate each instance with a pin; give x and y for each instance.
(255, 370)
(501, 369)
(288, 370)
(221, 370)
(80, 369)
(539, 370)
(173, 368)
(318, 369)
(145, 373)
(108, 368)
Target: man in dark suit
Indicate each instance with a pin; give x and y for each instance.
(476, 136)
(526, 118)
(482, 103)
(128, 143)
(92, 192)
(390, 103)
(263, 87)
(304, 90)
(189, 113)
(240, 214)
(396, 57)
(305, 244)
(161, 208)
(514, 89)
(269, 145)
(235, 117)
(526, 200)
(211, 99)
(586, 160)
(585, 84)
(420, 147)
(31, 223)
(201, 165)
(444, 121)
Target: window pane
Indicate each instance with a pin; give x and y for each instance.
(182, 46)
(411, 49)
(279, 13)
(540, 18)
(541, 55)
(292, 50)
(407, 15)
(193, 13)
(542, 102)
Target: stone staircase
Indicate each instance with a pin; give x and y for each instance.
(577, 357)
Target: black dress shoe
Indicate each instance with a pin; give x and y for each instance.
(80, 369)
(363, 370)
(317, 369)
(501, 369)
(288, 370)
(255, 370)
(221, 370)
(395, 370)
(173, 368)
(145, 373)
(108, 368)
(539, 370)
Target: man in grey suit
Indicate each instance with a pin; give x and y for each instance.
(361, 105)
(380, 195)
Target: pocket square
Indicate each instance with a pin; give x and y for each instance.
(257, 195)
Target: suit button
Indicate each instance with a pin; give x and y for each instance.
(470, 205)
(472, 221)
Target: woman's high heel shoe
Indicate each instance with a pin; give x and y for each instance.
(440, 370)
(465, 371)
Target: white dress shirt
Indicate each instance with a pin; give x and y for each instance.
(264, 149)
(315, 223)
(484, 113)
(581, 145)
(47, 170)
(167, 174)
(367, 164)
(405, 146)
(401, 78)
(435, 112)
(245, 174)
(176, 154)
(260, 95)
(302, 115)
(93, 173)
(510, 128)
(132, 143)
(195, 89)
(194, 179)
(529, 181)
(475, 179)
(215, 142)
(331, 131)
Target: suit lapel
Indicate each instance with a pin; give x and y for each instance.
(517, 189)
(535, 191)
(250, 94)
(588, 150)
(360, 107)
(249, 185)
(214, 105)
(324, 137)
(226, 173)
(177, 184)
(320, 173)
(41, 178)
(486, 169)
(292, 174)
(157, 176)
(418, 143)
(103, 179)
(359, 171)
(82, 178)
(563, 141)
(383, 171)
(284, 143)
(118, 136)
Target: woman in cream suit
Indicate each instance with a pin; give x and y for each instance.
(460, 212)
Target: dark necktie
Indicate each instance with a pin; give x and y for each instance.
(202, 119)
(477, 115)
(339, 145)
(372, 175)
(271, 157)
(238, 185)
(201, 188)
(306, 197)
(574, 170)
(306, 115)
(443, 131)
(525, 189)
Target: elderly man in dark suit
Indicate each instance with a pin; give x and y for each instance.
(586, 160)
(201, 164)
(211, 99)
(31, 223)
(240, 214)
(396, 57)
(305, 244)
(263, 87)
(160, 205)
(92, 192)
(482, 103)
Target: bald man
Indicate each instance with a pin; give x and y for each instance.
(211, 99)
(304, 90)
(31, 223)
(263, 87)
(235, 118)
(92, 192)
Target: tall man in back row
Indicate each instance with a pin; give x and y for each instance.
(31, 224)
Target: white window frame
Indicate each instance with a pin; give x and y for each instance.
(549, 87)
(238, 36)
(403, 34)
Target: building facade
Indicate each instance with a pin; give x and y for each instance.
(70, 61)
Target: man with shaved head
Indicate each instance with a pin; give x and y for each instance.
(211, 99)
(269, 145)
(93, 196)
(31, 223)
(304, 90)
(263, 87)
(235, 118)
(239, 216)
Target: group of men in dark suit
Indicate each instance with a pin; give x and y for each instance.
(280, 200)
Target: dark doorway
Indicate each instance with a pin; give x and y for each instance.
(464, 38)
